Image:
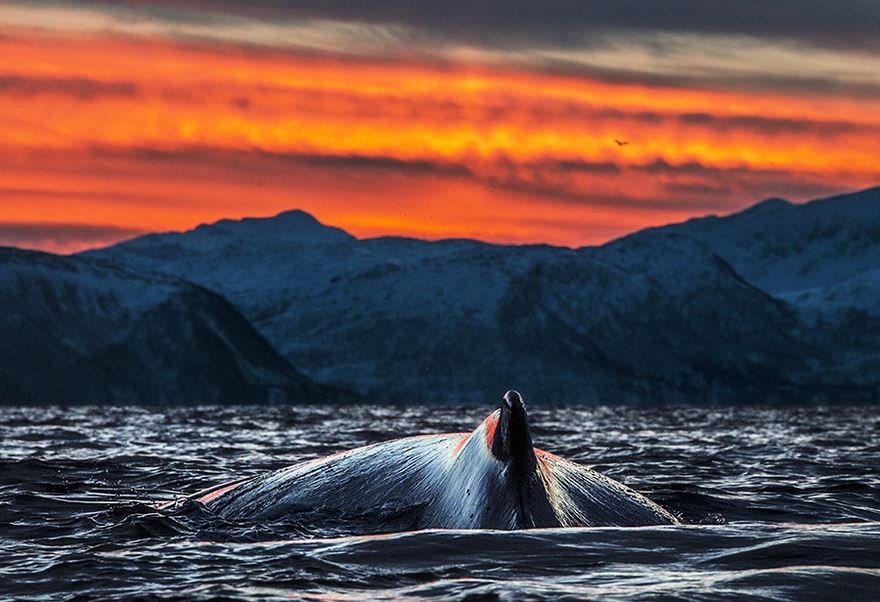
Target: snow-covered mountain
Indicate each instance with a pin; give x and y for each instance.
(762, 305)
(82, 330)
(822, 256)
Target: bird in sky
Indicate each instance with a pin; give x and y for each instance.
(621, 142)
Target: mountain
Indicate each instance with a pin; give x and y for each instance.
(822, 256)
(81, 330)
(772, 304)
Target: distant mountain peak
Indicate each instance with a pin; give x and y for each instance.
(298, 216)
(295, 226)
(769, 204)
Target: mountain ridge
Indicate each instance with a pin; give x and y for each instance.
(401, 319)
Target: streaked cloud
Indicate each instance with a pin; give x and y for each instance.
(82, 88)
(836, 24)
(61, 237)
(811, 46)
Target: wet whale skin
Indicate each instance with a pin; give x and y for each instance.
(441, 481)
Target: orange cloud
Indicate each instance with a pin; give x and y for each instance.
(142, 133)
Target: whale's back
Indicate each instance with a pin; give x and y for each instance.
(404, 472)
(439, 481)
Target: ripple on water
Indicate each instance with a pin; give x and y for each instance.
(784, 503)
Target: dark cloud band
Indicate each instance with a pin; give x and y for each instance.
(79, 87)
(61, 235)
(842, 24)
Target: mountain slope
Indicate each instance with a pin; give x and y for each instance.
(822, 256)
(674, 314)
(80, 330)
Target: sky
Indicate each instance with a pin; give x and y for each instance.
(493, 119)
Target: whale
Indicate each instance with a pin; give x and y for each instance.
(490, 478)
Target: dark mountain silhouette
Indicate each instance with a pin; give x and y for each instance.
(78, 330)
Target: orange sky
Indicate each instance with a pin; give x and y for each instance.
(108, 134)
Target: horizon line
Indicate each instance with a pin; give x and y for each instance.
(130, 234)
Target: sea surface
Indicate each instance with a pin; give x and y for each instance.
(780, 504)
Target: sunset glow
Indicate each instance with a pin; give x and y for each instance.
(110, 133)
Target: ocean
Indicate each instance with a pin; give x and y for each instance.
(779, 503)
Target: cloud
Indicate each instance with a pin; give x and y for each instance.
(773, 45)
(778, 125)
(62, 237)
(81, 88)
(689, 186)
(837, 24)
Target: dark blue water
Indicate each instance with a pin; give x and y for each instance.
(782, 504)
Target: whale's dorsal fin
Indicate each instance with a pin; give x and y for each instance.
(512, 438)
